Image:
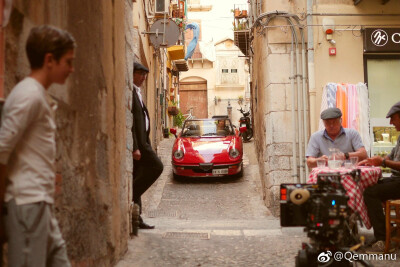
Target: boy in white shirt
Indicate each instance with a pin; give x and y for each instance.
(28, 150)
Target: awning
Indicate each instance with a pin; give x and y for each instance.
(176, 52)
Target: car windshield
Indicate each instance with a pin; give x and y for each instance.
(209, 127)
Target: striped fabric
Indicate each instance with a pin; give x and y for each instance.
(341, 102)
(354, 102)
(352, 107)
(331, 95)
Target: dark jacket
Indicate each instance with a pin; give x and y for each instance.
(141, 139)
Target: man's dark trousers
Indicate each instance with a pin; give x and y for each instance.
(373, 197)
(146, 172)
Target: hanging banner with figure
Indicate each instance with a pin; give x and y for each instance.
(193, 43)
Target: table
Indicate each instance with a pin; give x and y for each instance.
(369, 177)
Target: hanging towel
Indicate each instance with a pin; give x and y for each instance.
(352, 107)
(341, 102)
(363, 108)
(331, 95)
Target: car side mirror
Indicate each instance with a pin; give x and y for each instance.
(243, 129)
(173, 131)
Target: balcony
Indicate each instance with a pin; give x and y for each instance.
(181, 65)
(242, 40)
(241, 28)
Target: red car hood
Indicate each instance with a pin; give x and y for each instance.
(208, 149)
(207, 146)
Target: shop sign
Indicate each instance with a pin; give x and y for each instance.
(383, 40)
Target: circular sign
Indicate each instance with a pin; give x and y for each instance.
(379, 37)
(157, 33)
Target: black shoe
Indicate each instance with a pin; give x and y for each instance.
(143, 225)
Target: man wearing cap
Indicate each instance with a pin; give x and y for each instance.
(346, 140)
(388, 188)
(147, 166)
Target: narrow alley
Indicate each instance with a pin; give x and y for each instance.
(214, 223)
(210, 223)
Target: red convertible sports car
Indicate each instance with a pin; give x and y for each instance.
(207, 147)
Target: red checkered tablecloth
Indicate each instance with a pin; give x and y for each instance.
(369, 176)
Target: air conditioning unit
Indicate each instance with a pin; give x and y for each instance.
(162, 6)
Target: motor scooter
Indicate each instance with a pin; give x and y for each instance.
(246, 130)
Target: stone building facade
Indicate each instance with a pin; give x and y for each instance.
(92, 181)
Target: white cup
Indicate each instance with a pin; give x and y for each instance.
(348, 164)
(321, 163)
(354, 161)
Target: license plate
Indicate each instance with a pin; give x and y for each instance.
(219, 171)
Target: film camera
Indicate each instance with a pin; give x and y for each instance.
(323, 211)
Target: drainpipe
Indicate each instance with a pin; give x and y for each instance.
(301, 87)
(299, 105)
(292, 77)
(311, 70)
(298, 77)
(305, 99)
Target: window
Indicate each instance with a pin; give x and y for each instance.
(225, 70)
(233, 70)
(383, 82)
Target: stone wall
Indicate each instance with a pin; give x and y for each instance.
(92, 181)
(272, 103)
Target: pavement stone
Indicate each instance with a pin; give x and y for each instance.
(229, 213)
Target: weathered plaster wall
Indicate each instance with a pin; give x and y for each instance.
(347, 66)
(92, 188)
(144, 53)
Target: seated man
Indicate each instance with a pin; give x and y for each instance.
(388, 189)
(347, 141)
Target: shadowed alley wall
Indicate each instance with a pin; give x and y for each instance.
(92, 186)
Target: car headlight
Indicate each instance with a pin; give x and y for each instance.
(178, 154)
(234, 153)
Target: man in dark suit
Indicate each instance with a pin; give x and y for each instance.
(147, 166)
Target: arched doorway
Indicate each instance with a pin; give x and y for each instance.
(193, 96)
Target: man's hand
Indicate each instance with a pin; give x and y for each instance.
(136, 154)
(312, 162)
(324, 157)
(374, 161)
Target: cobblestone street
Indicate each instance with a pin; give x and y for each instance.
(213, 223)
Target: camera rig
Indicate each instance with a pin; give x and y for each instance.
(323, 211)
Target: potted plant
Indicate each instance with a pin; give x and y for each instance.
(236, 12)
(173, 109)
